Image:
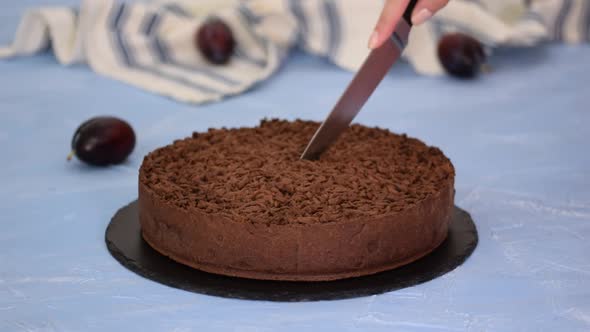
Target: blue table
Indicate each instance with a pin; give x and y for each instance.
(518, 138)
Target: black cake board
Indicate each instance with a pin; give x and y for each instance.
(125, 243)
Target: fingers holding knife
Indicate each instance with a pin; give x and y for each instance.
(392, 12)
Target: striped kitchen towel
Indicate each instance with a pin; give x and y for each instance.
(150, 45)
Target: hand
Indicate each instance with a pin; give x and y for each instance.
(394, 10)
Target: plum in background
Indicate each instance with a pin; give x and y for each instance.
(215, 41)
(461, 55)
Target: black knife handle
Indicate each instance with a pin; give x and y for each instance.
(409, 11)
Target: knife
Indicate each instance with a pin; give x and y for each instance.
(361, 87)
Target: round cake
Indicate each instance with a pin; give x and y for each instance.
(240, 202)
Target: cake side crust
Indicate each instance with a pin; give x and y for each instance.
(312, 252)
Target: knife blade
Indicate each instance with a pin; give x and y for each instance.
(361, 87)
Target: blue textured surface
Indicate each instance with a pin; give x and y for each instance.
(517, 137)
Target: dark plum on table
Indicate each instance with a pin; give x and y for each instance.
(103, 141)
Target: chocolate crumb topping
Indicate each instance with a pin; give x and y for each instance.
(255, 175)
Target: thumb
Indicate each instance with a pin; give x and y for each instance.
(425, 9)
(391, 14)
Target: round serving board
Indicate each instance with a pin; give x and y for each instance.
(125, 243)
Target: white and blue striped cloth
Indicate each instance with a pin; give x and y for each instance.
(149, 44)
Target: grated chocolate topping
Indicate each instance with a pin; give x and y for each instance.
(255, 175)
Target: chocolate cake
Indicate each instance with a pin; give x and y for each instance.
(239, 202)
